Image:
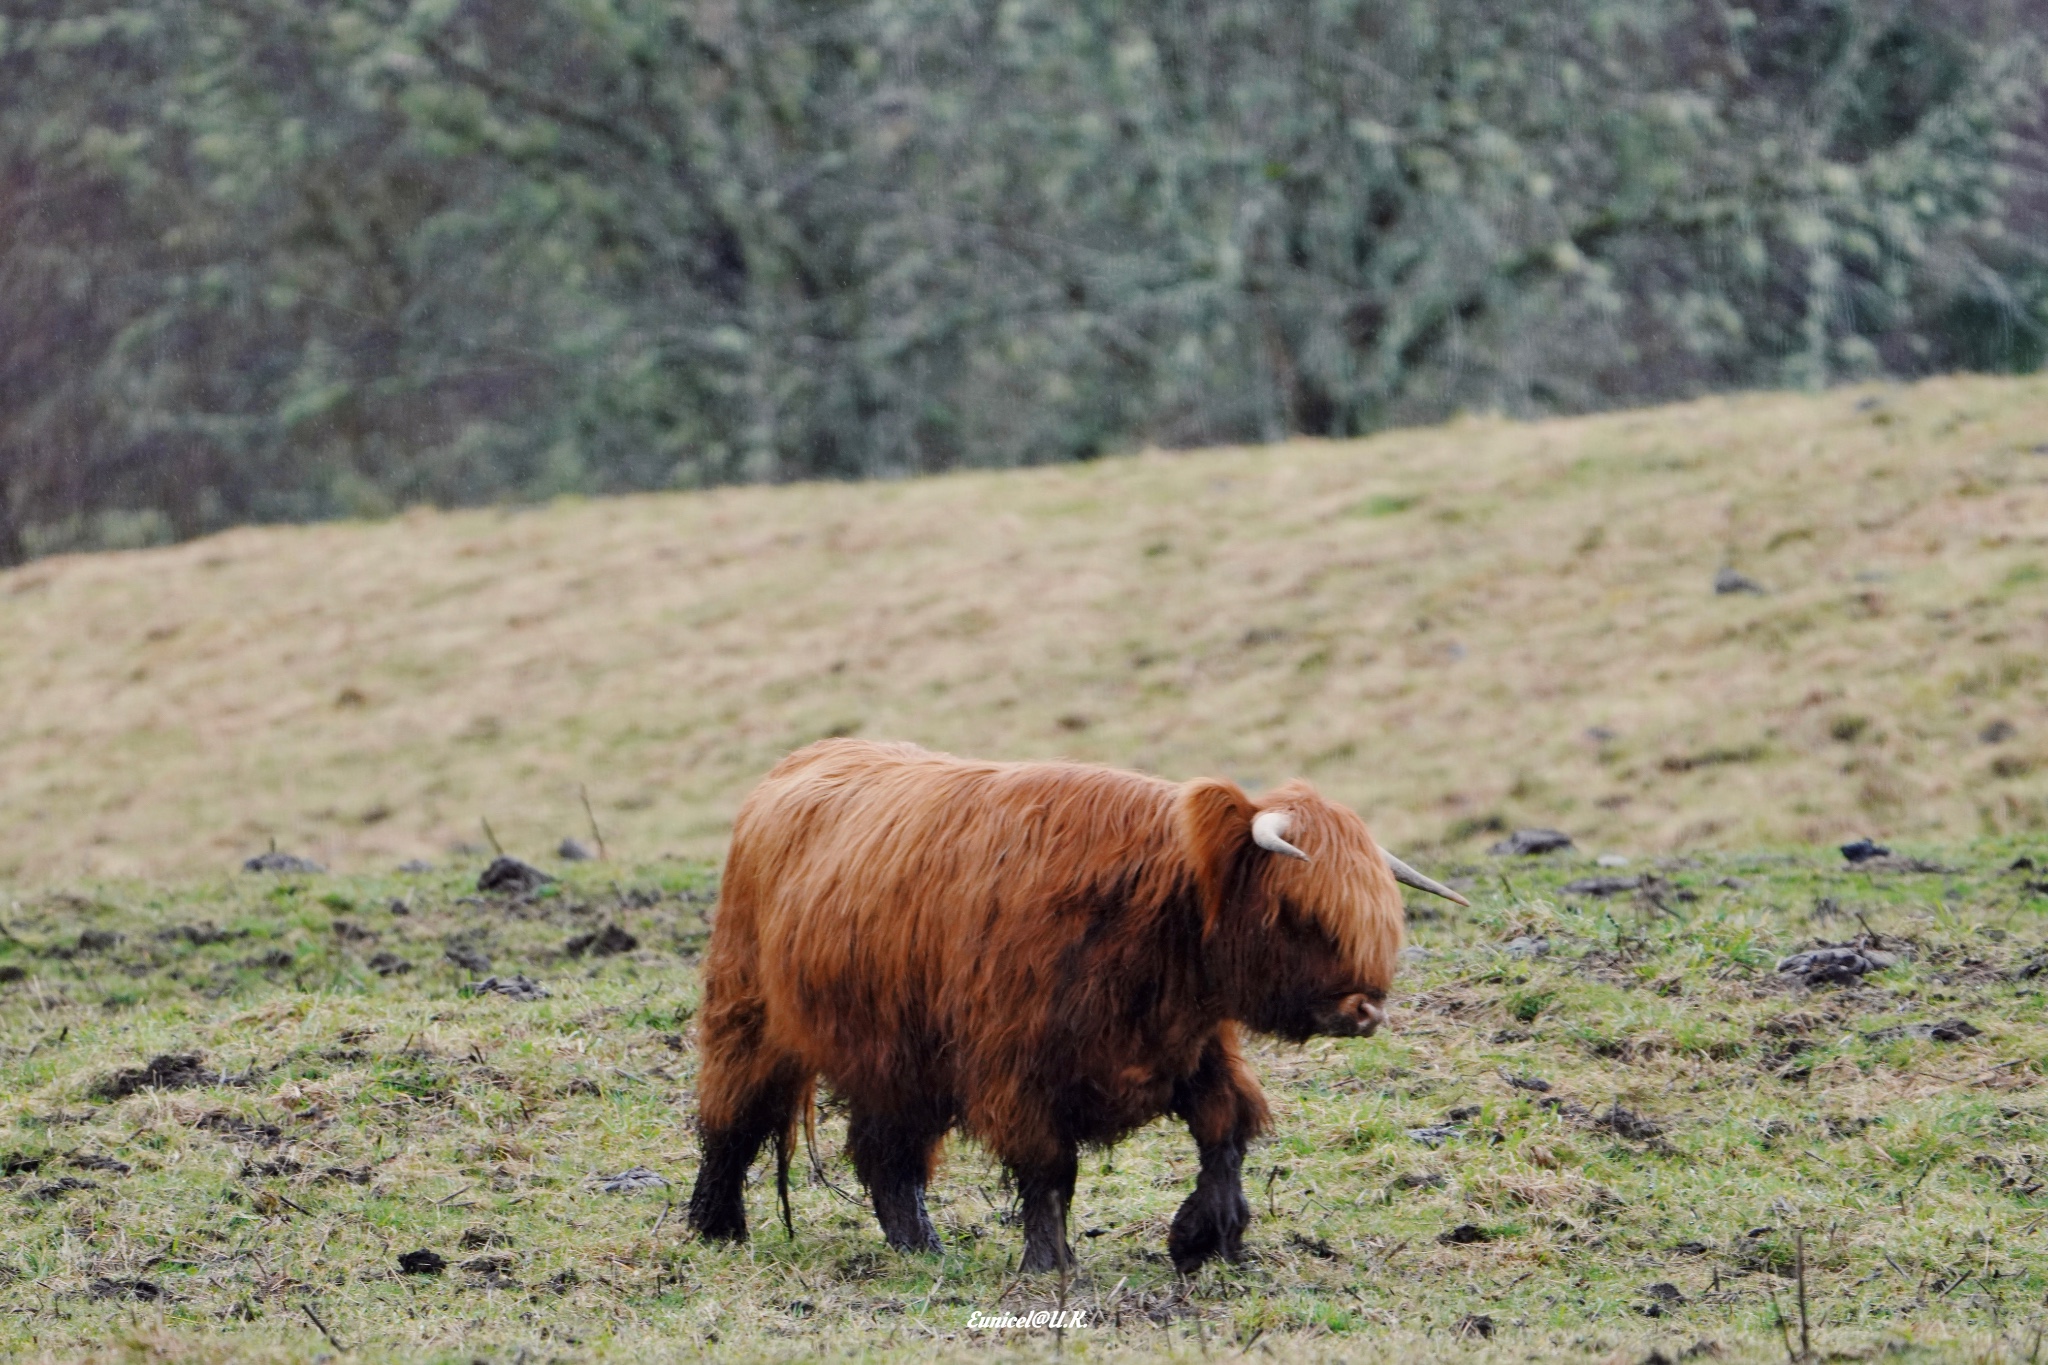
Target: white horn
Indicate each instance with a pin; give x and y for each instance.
(1408, 876)
(1269, 831)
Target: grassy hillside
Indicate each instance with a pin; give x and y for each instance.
(354, 1098)
(1455, 629)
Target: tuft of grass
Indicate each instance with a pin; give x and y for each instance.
(1547, 1136)
(1543, 647)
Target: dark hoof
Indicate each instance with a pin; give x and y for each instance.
(1039, 1259)
(1206, 1228)
(925, 1245)
(719, 1225)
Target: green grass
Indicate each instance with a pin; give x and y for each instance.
(369, 1115)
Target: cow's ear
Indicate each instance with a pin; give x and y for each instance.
(1216, 831)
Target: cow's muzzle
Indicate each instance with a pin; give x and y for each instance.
(1353, 1016)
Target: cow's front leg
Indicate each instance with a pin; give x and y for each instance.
(894, 1158)
(1048, 1192)
(1212, 1220)
(1224, 1111)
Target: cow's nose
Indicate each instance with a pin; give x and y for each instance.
(1364, 1015)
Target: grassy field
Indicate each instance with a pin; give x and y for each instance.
(1603, 1126)
(355, 1098)
(1455, 629)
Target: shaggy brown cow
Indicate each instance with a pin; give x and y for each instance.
(1042, 954)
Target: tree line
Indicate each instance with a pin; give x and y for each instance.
(289, 259)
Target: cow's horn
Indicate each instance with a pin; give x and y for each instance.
(1269, 831)
(1408, 876)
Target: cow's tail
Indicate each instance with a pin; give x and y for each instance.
(785, 1147)
(811, 1133)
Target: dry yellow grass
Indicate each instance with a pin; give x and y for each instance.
(1427, 623)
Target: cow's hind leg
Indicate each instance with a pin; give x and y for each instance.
(1225, 1111)
(893, 1156)
(742, 1106)
(1048, 1192)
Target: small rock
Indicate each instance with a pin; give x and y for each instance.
(467, 958)
(1535, 1083)
(1665, 1292)
(415, 866)
(170, 1071)
(1472, 1324)
(1612, 860)
(148, 1291)
(1998, 732)
(422, 1262)
(1728, 580)
(388, 963)
(1601, 886)
(1692, 1248)
(1463, 1112)
(274, 861)
(93, 1161)
(1436, 1135)
(574, 851)
(1528, 946)
(199, 933)
(1863, 850)
(57, 1189)
(1947, 1031)
(517, 987)
(399, 908)
(1465, 1234)
(510, 877)
(235, 1128)
(1528, 842)
(611, 940)
(1623, 1123)
(1835, 964)
(98, 940)
(629, 1181)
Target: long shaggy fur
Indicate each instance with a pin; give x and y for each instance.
(1041, 954)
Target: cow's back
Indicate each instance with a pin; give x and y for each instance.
(905, 916)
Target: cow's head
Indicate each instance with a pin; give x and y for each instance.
(1303, 917)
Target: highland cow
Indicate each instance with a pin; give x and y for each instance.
(1043, 955)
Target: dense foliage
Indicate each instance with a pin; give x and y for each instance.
(298, 258)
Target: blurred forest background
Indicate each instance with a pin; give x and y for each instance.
(285, 259)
